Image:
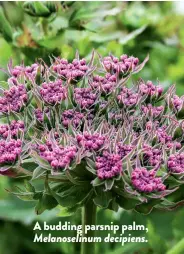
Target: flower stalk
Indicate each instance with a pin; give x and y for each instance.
(88, 218)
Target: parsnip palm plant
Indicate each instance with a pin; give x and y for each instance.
(91, 139)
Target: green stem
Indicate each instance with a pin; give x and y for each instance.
(88, 218)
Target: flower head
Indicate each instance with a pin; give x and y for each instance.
(14, 99)
(108, 165)
(177, 102)
(152, 156)
(176, 163)
(91, 142)
(166, 139)
(71, 71)
(53, 92)
(124, 149)
(13, 129)
(153, 111)
(85, 97)
(150, 89)
(127, 97)
(72, 117)
(58, 157)
(104, 84)
(123, 65)
(144, 180)
(25, 70)
(9, 151)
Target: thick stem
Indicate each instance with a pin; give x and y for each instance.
(88, 218)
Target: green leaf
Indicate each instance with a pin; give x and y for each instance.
(127, 203)
(29, 186)
(41, 9)
(64, 212)
(109, 184)
(177, 248)
(113, 205)
(93, 171)
(178, 132)
(97, 182)
(26, 196)
(180, 114)
(103, 200)
(69, 195)
(41, 162)
(38, 172)
(132, 35)
(4, 84)
(5, 26)
(90, 163)
(46, 202)
(146, 208)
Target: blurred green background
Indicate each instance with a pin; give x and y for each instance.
(32, 30)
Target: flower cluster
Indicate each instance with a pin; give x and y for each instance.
(53, 92)
(74, 71)
(100, 130)
(108, 165)
(9, 151)
(166, 139)
(104, 84)
(150, 89)
(84, 97)
(27, 70)
(153, 111)
(177, 102)
(163, 136)
(123, 149)
(127, 97)
(14, 99)
(91, 142)
(123, 65)
(72, 117)
(176, 163)
(152, 156)
(144, 180)
(13, 129)
(60, 157)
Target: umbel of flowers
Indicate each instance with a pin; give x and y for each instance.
(91, 136)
